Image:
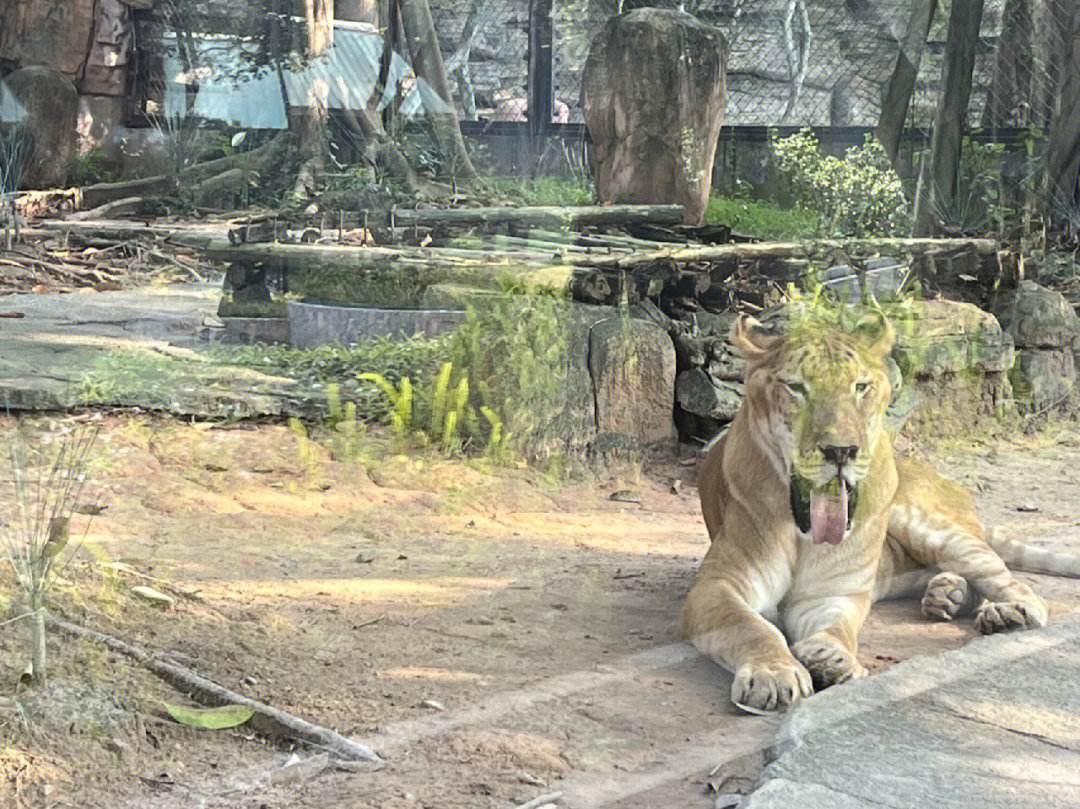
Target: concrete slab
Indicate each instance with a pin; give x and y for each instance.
(994, 724)
(128, 348)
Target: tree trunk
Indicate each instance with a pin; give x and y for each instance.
(936, 196)
(434, 87)
(1045, 49)
(458, 64)
(1008, 99)
(894, 108)
(1063, 148)
(309, 121)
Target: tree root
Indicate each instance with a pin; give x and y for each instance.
(267, 720)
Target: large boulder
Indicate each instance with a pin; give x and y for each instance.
(51, 103)
(653, 93)
(632, 364)
(1047, 334)
(1043, 377)
(948, 337)
(1038, 317)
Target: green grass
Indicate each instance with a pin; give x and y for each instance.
(558, 191)
(764, 220)
(416, 358)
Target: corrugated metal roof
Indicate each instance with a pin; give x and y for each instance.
(345, 78)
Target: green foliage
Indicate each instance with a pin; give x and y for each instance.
(87, 168)
(14, 147)
(502, 386)
(818, 307)
(993, 187)
(1050, 268)
(514, 350)
(182, 138)
(764, 220)
(233, 146)
(393, 360)
(544, 190)
(345, 436)
(143, 377)
(439, 414)
(857, 195)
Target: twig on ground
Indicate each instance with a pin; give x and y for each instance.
(540, 800)
(267, 719)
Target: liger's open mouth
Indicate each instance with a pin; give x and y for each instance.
(824, 512)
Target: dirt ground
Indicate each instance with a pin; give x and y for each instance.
(496, 634)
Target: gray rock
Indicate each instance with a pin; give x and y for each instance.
(700, 394)
(652, 94)
(572, 425)
(714, 325)
(632, 364)
(51, 105)
(951, 337)
(1042, 377)
(1038, 317)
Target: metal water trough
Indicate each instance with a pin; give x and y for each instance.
(316, 324)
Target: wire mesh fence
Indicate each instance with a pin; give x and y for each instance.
(791, 62)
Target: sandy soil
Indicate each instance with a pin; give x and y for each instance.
(496, 634)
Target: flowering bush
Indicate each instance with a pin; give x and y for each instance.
(857, 195)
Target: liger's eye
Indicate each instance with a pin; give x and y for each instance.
(796, 389)
(861, 388)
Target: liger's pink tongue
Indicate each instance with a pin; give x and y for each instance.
(828, 516)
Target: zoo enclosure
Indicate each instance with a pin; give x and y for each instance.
(818, 63)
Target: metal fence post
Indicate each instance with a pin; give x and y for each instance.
(539, 79)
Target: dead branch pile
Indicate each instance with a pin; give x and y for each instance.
(49, 262)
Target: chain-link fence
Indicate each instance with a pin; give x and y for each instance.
(792, 62)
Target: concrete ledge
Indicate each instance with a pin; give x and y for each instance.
(994, 724)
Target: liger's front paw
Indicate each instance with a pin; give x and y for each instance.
(765, 687)
(827, 661)
(946, 595)
(998, 616)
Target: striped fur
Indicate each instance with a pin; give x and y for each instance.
(783, 611)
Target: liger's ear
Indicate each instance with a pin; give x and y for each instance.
(750, 339)
(875, 332)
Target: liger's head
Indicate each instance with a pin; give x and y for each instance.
(820, 395)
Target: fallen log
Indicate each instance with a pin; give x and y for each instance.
(539, 216)
(810, 249)
(267, 719)
(93, 196)
(128, 206)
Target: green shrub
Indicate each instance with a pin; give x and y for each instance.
(514, 351)
(764, 220)
(87, 168)
(857, 195)
(394, 360)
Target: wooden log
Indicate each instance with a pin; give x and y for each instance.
(541, 216)
(487, 263)
(98, 194)
(92, 196)
(783, 250)
(126, 206)
(267, 719)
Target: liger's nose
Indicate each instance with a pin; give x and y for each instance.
(838, 455)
